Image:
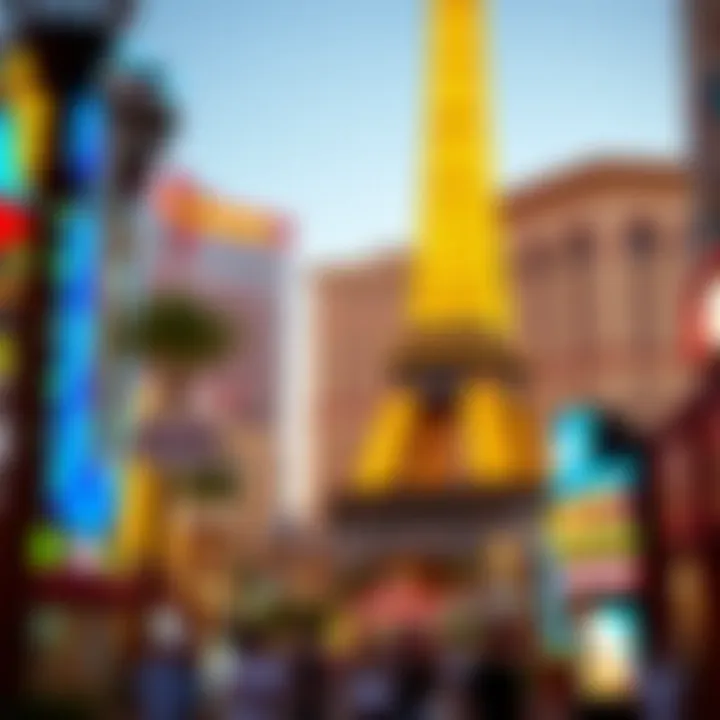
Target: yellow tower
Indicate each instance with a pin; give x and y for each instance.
(454, 414)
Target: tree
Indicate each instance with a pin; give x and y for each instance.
(177, 335)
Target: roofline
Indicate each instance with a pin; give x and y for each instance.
(592, 174)
(273, 229)
(546, 188)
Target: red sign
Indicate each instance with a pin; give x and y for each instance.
(700, 329)
(14, 225)
(604, 576)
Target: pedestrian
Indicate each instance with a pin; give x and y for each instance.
(310, 679)
(495, 684)
(262, 690)
(166, 685)
(219, 672)
(417, 677)
(370, 691)
(663, 687)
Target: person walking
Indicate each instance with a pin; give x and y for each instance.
(495, 684)
(262, 690)
(370, 691)
(417, 681)
(310, 680)
(166, 686)
(663, 688)
(219, 671)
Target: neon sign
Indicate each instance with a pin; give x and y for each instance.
(79, 478)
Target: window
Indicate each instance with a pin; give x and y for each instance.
(642, 242)
(580, 285)
(534, 281)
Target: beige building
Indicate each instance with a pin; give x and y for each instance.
(597, 253)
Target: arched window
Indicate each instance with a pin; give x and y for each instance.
(642, 238)
(581, 308)
(534, 270)
(642, 245)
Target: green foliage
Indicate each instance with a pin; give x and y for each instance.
(177, 330)
(47, 548)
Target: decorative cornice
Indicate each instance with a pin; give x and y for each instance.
(529, 196)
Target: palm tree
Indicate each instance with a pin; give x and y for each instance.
(176, 336)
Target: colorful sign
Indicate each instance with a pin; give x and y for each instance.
(595, 546)
(187, 210)
(79, 482)
(20, 102)
(592, 522)
(598, 519)
(609, 651)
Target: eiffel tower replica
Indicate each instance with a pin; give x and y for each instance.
(453, 452)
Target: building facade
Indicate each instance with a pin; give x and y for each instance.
(235, 258)
(597, 255)
(701, 19)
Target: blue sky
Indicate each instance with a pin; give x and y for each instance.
(311, 105)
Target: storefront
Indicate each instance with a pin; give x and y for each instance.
(596, 554)
(685, 503)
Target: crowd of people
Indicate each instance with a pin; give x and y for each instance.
(258, 675)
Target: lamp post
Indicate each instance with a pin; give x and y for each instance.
(66, 43)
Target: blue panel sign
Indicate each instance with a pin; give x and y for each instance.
(574, 441)
(78, 479)
(11, 174)
(86, 142)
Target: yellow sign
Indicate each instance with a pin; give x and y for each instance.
(31, 108)
(187, 209)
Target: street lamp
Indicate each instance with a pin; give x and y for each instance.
(67, 40)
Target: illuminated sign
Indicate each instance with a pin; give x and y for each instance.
(79, 484)
(606, 577)
(11, 182)
(86, 143)
(573, 441)
(28, 112)
(15, 231)
(609, 652)
(592, 524)
(187, 210)
(79, 488)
